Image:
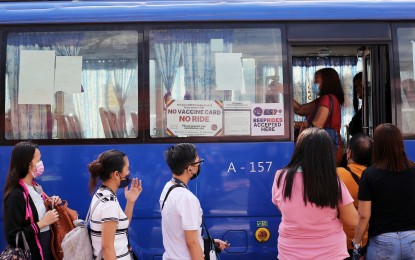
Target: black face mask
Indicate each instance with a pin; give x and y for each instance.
(126, 182)
(197, 173)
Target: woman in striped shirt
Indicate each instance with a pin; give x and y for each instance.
(109, 223)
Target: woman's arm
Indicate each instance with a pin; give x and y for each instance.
(131, 195)
(349, 214)
(304, 109)
(321, 117)
(14, 218)
(107, 242)
(365, 210)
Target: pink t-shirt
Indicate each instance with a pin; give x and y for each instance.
(308, 231)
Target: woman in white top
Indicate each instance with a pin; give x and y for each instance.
(109, 223)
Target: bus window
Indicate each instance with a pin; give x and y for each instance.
(406, 48)
(216, 82)
(71, 85)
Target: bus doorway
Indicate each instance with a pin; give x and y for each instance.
(348, 61)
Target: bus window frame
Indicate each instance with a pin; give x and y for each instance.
(6, 30)
(287, 92)
(396, 83)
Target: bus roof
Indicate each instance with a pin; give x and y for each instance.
(182, 11)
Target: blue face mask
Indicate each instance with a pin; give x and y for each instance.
(126, 182)
(315, 88)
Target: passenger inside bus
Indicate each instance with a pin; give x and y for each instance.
(274, 92)
(355, 125)
(325, 111)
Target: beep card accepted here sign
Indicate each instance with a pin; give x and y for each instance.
(267, 119)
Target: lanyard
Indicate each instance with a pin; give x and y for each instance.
(180, 183)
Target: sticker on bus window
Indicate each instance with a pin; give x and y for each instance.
(267, 119)
(194, 118)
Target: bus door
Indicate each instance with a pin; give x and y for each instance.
(376, 101)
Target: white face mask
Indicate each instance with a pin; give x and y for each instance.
(39, 169)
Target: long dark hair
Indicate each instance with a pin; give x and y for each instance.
(22, 156)
(356, 78)
(314, 153)
(106, 163)
(330, 84)
(388, 149)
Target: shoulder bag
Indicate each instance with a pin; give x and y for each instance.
(13, 253)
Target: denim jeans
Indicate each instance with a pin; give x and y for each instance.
(394, 246)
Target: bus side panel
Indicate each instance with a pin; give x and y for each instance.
(234, 188)
(410, 149)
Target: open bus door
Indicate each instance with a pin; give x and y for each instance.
(376, 100)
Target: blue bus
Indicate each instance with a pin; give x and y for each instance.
(82, 77)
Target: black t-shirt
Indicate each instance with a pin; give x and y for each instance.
(393, 199)
(355, 125)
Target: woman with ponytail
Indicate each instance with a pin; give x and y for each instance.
(23, 202)
(109, 223)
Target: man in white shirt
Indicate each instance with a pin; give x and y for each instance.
(181, 213)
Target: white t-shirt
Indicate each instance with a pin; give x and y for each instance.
(181, 212)
(39, 204)
(109, 209)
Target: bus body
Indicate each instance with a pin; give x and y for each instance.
(83, 77)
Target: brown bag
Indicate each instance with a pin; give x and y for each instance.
(61, 227)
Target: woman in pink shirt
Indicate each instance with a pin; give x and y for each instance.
(311, 199)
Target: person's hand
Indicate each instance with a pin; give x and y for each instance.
(221, 244)
(55, 200)
(300, 124)
(131, 195)
(50, 217)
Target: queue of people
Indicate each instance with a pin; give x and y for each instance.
(328, 212)
(25, 210)
(318, 201)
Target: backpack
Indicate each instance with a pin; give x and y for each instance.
(77, 244)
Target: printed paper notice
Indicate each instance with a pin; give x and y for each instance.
(237, 122)
(267, 119)
(36, 77)
(228, 67)
(194, 118)
(68, 75)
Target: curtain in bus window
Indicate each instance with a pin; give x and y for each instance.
(27, 121)
(95, 75)
(303, 78)
(122, 76)
(34, 121)
(198, 60)
(167, 48)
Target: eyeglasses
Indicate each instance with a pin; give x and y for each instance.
(198, 162)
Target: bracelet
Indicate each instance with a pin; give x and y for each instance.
(356, 246)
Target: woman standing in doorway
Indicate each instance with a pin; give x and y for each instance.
(325, 111)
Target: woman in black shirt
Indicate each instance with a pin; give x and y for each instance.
(23, 199)
(387, 199)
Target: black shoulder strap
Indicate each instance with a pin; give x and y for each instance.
(354, 175)
(331, 110)
(168, 192)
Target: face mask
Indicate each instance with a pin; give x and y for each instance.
(315, 88)
(39, 169)
(197, 173)
(126, 182)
